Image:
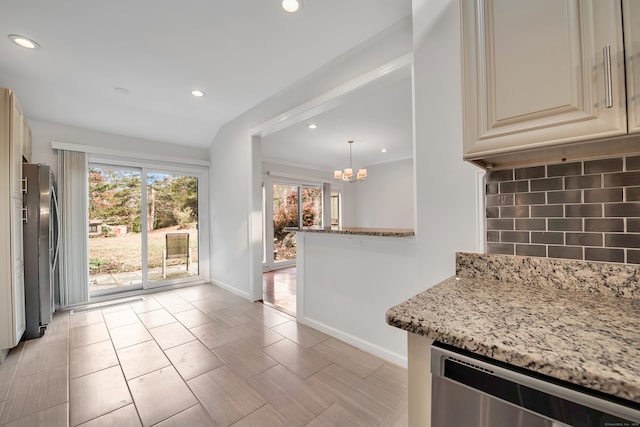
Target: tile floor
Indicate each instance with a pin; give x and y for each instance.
(197, 356)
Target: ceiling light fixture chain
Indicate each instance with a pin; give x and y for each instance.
(347, 174)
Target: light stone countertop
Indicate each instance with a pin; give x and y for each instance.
(359, 231)
(584, 328)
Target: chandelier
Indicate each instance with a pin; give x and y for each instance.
(347, 175)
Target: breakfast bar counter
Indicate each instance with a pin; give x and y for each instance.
(358, 231)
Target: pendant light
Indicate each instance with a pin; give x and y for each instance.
(347, 174)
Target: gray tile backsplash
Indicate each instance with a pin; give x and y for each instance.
(580, 210)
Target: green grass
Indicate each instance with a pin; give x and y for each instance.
(120, 254)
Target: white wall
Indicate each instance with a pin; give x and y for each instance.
(349, 283)
(43, 133)
(235, 160)
(383, 200)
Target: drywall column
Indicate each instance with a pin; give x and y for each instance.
(326, 206)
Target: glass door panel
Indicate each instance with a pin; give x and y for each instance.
(285, 214)
(311, 207)
(172, 227)
(115, 238)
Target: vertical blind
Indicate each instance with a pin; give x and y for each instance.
(73, 191)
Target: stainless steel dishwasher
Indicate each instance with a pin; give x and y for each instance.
(473, 391)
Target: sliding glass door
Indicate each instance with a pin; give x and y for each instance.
(293, 206)
(143, 228)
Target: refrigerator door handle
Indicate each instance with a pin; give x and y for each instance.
(55, 204)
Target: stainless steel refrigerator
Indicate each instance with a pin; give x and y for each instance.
(40, 245)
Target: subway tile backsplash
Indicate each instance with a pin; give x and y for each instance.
(586, 210)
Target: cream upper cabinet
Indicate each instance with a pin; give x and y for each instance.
(12, 296)
(540, 74)
(631, 13)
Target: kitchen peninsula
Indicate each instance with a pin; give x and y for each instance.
(573, 321)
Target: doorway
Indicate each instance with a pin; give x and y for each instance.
(288, 204)
(143, 228)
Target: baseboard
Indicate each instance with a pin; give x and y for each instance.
(364, 345)
(231, 289)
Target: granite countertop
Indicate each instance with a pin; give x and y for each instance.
(360, 231)
(571, 320)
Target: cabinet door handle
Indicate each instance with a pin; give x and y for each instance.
(608, 85)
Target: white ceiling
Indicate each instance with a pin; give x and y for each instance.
(239, 52)
(376, 116)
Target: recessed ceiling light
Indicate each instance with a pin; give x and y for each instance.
(384, 150)
(23, 41)
(291, 5)
(312, 126)
(121, 90)
(197, 93)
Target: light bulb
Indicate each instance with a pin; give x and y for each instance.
(290, 5)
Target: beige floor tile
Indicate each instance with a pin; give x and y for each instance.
(149, 304)
(225, 396)
(213, 334)
(334, 382)
(155, 318)
(244, 359)
(231, 316)
(399, 417)
(119, 318)
(302, 361)
(300, 334)
(119, 305)
(97, 394)
(349, 357)
(140, 359)
(57, 416)
(58, 329)
(289, 395)
(209, 305)
(128, 335)
(196, 293)
(171, 335)
(160, 394)
(173, 302)
(338, 416)
(387, 384)
(192, 359)
(34, 393)
(268, 317)
(7, 373)
(14, 356)
(88, 334)
(85, 318)
(256, 334)
(126, 416)
(192, 318)
(195, 416)
(266, 416)
(91, 358)
(42, 356)
(2, 402)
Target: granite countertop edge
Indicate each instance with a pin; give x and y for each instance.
(380, 232)
(534, 341)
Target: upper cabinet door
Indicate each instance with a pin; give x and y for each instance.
(15, 147)
(631, 13)
(541, 73)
